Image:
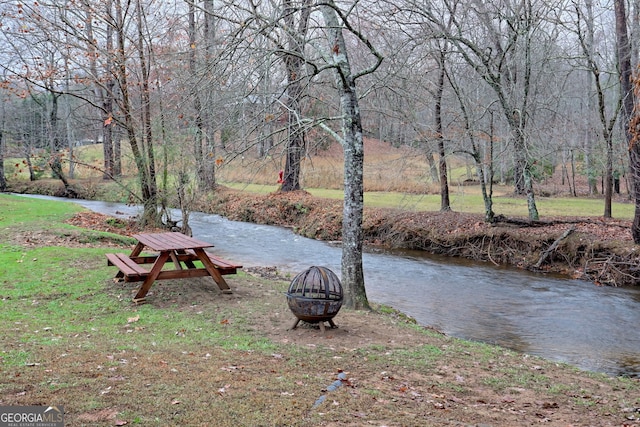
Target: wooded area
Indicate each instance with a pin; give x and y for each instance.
(519, 87)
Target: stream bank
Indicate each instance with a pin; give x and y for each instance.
(598, 250)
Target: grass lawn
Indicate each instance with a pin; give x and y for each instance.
(468, 199)
(193, 356)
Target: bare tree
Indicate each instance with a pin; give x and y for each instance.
(103, 90)
(496, 40)
(445, 204)
(483, 158)
(3, 120)
(297, 79)
(195, 95)
(607, 120)
(352, 143)
(628, 101)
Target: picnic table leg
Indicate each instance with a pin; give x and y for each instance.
(176, 263)
(189, 264)
(136, 251)
(213, 271)
(153, 275)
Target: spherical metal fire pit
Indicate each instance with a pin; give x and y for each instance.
(315, 296)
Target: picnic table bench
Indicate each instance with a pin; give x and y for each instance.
(171, 247)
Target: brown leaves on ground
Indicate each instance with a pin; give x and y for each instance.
(100, 222)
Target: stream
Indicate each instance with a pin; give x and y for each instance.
(572, 321)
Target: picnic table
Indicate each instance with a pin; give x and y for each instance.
(170, 248)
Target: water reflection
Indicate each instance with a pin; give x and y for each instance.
(564, 320)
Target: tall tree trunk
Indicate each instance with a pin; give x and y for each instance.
(55, 161)
(486, 175)
(589, 140)
(3, 179)
(209, 178)
(522, 169)
(352, 235)
(608, 176)
(445, 204)
(197, 104)
(148, 197)
(151, 201)
(628, 101)
(294, 63)
(113, 163)
(103, 100)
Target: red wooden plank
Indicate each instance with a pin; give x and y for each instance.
(132, 271)
(220, 263)
(170, 241)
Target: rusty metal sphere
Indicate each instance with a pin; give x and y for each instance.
(315, 295)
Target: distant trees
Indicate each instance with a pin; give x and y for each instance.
(601, 80)
(233, 79)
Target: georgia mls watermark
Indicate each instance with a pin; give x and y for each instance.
(31, 416)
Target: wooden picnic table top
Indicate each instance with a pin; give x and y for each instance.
(170, 241)
(175, 247)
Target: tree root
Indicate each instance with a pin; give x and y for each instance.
(553, 247)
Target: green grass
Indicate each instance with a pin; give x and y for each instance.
(23, 210)
(50, 293)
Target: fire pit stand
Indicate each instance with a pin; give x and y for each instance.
(315, 296)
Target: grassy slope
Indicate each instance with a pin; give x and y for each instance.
(467, 199)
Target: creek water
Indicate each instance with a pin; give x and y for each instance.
(572, 321)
